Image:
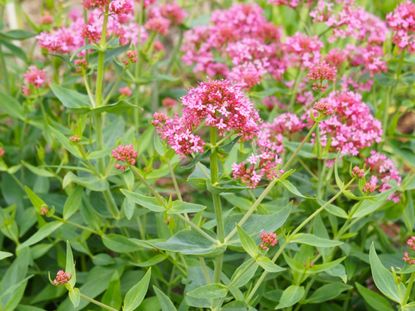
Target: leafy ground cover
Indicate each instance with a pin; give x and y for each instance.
(207, 155)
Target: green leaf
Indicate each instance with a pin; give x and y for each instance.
(210, 291)
(90, 182)
(70, 264)
(71, 99)
(384, 279)
(244, 273)
(374, 300)
(247, 242)
(368, 206)
(327, 292)
(334, 210)
(180, 207)
(136, 294)
(112, 296)
(17, 34)
(42, 233)
(148, 202)
(4, 255)
(237, 200)
(313, 240)
(75, 296)
(11, 106)
(290, 296)
(268, 265)
(190, 243)
(165, 302)
(37, 202)
(291, 188)
(37, 170)
(120, 244)
(73, 203)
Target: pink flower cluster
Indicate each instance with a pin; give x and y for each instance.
(411, 243)
(240, 45)
(303, 50)
(34, 78)
(290, 3)
(124, 154)
(121, 25)
(161, 17)
(350, 21)
(218, 104)
(268, 239)
(265, 164)
(383, 172)
(402, 22)
(321, 72)
(178, 134)
(351, 125)
(61, 278)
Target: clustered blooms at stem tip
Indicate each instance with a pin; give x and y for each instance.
(268, 239)
(402, 22)
(411, 243)
(216, 104)
(61, 278)
(34, 78)
(126, 155)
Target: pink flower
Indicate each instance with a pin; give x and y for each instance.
(173, 12)
(371, 185)
(178, 134)
(90, 4)
(290, 3)
(158, 24)
(268, 239)
(125, 154)
(122, 6)
(351, 125)
(125, 91)
(350, 21)
(402, 22)
(46, 19)
(321, 72)
(35, 77)
(222, 105)
(411, 242)
(384, 170)
(61, 278)
(63, 40)
(239, 45)
(358, 172)
(303, 50)
(169, 102)
(287, 123)
(265, 163)
(407, 259)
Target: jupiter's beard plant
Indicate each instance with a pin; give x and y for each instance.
(207, 155)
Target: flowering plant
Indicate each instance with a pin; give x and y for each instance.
(224, 155)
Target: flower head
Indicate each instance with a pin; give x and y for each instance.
(125, 91)
(124, 154)
(268, 239)
(221, 105)
(351, 125)
(402, 22)
(61, 278)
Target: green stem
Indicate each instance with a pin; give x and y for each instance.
(287, 240)
(96, 302)
(391, 94)
(271, 185)
(214, 177)
(4, 72)
(409, 288)
(101, 61)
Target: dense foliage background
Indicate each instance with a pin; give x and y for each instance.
(207, 155)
